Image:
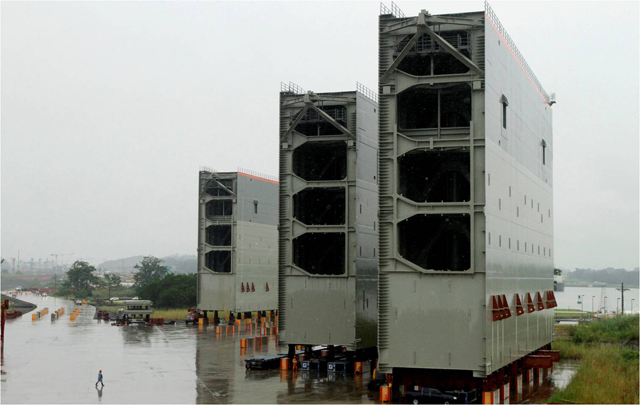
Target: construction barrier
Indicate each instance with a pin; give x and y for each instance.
(58, 313)
(39, 314)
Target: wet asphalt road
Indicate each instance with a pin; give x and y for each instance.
(58, 361)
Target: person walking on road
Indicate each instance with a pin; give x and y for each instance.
(100, 379)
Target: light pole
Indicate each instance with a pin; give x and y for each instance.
(604, 308)
(632, 299)
(618, 307)
(592, 298)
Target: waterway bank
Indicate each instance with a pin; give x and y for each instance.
(19, 305)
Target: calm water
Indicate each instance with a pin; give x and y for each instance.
(58, 361)
(568, 299)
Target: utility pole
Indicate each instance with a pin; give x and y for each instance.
(13, 264)
(55, 268)
(592, 298)
(622, 290)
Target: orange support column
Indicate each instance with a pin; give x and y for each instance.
(490, 397)
(284, 364)
(385, 394)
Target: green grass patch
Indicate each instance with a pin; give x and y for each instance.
(572, 315)
(609, 367)
(620, 329)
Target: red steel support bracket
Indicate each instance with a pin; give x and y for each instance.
(537, 361)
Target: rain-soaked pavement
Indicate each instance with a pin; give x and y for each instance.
(57, 361)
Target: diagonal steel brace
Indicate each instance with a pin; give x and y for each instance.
(452, 50)
(405, 51)
(295, 123)
(331, 120)
(221, 185)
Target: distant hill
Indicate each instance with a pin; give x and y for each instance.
(176, 263)
(609, 276)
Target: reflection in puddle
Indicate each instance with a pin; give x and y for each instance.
(540, 392)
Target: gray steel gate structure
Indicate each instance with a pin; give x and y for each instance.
(466, 234)
(328, 218)
(237, 241)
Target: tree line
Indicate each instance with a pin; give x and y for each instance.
(153, 281)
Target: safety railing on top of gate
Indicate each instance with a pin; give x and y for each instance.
(491, 15)
(372, 95)
(258, 174)
(291, 88)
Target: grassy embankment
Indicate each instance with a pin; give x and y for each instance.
(608, 351)
(571, 313)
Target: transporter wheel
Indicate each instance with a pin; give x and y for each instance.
(415, 402)
(446, 402)
(248, 366)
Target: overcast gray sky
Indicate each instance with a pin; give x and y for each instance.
(109, 109)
